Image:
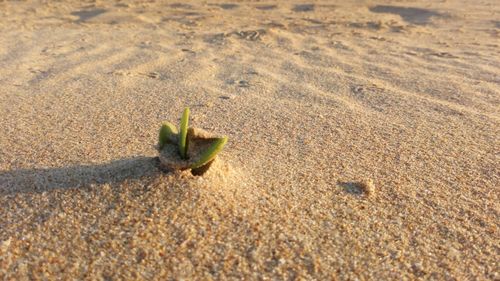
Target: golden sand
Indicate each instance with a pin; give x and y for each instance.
(363, 140)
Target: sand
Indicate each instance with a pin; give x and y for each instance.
(363, 140)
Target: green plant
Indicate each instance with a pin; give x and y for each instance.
(183, 136)
(209, 154)
(170, 135)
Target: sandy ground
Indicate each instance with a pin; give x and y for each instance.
(317, 98)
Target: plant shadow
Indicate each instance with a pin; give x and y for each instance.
(41, 180)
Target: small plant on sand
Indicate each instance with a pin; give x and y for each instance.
(188, 148)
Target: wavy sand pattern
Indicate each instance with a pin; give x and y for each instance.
(315, 97)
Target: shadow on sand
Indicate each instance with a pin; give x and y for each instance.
(85, 15)
(416, 16)
(41, 180)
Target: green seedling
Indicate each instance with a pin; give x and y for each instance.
(209, 154)
(168, 134)
(183, 134)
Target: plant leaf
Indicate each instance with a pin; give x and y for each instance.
(209, 154)
(183, 133)
(168, 134)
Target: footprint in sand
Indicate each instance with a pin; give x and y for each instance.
(266, 7)
(188, 51)
(219, 38)
(362, 90)
(216, 39)
(122, 5)
(181, 6)
(444, 55)
(240, 83)
(252, 35)
(303, 8)
(154, 75)
(228, 6)
(228, 97)
(243, 84)
(417, 16)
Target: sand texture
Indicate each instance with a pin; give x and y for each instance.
(363, 140)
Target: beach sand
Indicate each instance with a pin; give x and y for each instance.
(363, 140)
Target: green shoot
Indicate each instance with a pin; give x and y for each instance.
(168, 133)
(183, 133)
(209, 154)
